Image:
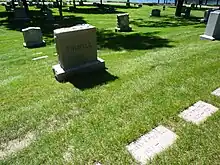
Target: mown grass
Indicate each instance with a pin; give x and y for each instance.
(154, 73)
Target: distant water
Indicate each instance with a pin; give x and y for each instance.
(210, 2)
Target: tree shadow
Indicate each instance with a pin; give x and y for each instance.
(167, 22)
(3, 14)
(94, 10)
(134, 41)
(47, 26)
(90, 80)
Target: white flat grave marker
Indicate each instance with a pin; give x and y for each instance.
(216, 92)
(152, 143)
(38, 58)
(199, 112)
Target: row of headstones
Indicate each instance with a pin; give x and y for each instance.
(74, 55)
(71, 50)
(19, 13)
(185, 11)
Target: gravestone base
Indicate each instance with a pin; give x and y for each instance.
(62, 75)
(128, 29)
(34, 45)
(206, 37)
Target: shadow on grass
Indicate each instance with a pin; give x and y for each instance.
(94, 10)
(3, 14)
(90, 80)
(47, 27)
(166, 21)
(130, 41)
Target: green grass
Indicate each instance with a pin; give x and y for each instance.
(156, 71)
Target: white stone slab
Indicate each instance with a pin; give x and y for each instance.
(38, 58)
(198, 113)
(152, 143)
(216, 92)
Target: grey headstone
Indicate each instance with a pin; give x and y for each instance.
(33, 37)
(216, 92)
(49, 16)
(155, 13)
(77, 51)
(20, 14)
(149, 145)
(123, 22)
(212, 30)
(198, 113)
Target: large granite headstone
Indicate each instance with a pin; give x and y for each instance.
(155, 13)
(33, 37)
(212, 30)
(77, 51)
(20, 14)
(123, 23)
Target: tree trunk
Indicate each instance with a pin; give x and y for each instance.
(74, 4)
(128, 3)
(206, 1)
(217, 2)
(100, 1)
(179, 8)
(158, 1)
(13, 4)
(25, 6)
(60, 9)
(175, 2)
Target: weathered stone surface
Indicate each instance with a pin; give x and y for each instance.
(216, 92)
(123, 22)
(76, 45)
(33, 37)
(198, 113)
(20, 14)
(77, 51)
(155, 13)
(151, 144)
(212, 31)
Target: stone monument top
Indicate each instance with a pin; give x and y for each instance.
(72, 29)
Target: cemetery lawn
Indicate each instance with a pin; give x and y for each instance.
(154, 73)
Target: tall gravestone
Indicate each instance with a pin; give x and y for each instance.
(123, 23)
(77, 51)
(33, 37)
(212, 30)
(20, 14)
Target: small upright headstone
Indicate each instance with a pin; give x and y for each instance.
(77, 51)
(164, 7)
(49, 15)
(123, 23)
(187, 12)
(55, 4)
(128, 4)
(33, 37)
(212, 31)
(206, 15)
(64, 3)
(155, 13)
(7, 8)
(50, 5)
(20, 14)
